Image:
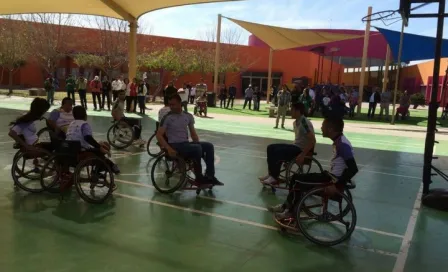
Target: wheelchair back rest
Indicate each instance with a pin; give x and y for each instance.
(69, 148)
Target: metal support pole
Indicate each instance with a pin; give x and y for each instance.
(432, 111)
(397, 72)
(268, 92)
(386, 69)
(331, 66)
(217, 53)
(132, 49)
(364, 60)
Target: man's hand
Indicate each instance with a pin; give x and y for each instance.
(172, 153)
(300, 159)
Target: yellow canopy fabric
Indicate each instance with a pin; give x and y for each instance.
(121, 9)
(279, 38)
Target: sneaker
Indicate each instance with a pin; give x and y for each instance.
(283, 215)
(276, 127)
(264, 177)
(277, 208)
(269, 181)
(215, 181)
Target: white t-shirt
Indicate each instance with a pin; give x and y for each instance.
(372, 98)
(326, 100)
(183, 94)
(312, 94)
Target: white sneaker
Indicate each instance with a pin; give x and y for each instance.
(277, 208)
(269, 181)
(283, 215)
(264, 178)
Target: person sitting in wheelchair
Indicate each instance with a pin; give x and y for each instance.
(23, 130)
(61, 118)
(201, 105)
(118, 114)
(342, 169)
(175, 126)
(303, 146)
(81, 131)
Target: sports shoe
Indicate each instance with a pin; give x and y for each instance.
(215, 181)
(283, 215)
(264, 178)
(269, 181)
(277, 208)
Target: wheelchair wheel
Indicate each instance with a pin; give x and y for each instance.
(168, 174)
(26, 170)
(53, 178)
(94, 180)
(44, 135)
(311, 166)
(120, 135)
(326, 224)
(153, 147)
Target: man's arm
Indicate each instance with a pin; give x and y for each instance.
(162, 142)
(308, 148)
(350, 171)
(193, 133)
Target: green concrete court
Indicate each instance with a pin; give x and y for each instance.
(142, 230)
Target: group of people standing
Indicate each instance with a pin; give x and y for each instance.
(252, 94)
(104, 91)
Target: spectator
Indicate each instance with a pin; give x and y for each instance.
(49, 88)
(70, 88)
(106, 89)
(141, 96)
(283, 99)
(182, 92)
(223, 95)
(296, 92)
(124, 87)
(256, 97)
(81, 85)
(374, 99)
(170, 90)
(116, 88)
(232, 94)
(248, 94)
(353, 102)
(192, 94)
(95, 88)
(403, 109)
(307, 101)
(132, 91)
(385, 102)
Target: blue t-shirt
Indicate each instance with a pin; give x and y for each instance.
(176, 126)
(342, 151)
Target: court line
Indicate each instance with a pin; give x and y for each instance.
(400, 262)
(7, 142)
(236, 220)
(256, 207)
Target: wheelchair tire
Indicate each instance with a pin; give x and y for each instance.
(97, 163)
(326, 217)
(44, 135)
(52, 186)
(28, 180)
(119, 144)
(176, 163)
(303, 169)
(151, 151)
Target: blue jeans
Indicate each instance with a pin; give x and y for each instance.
(278, 153)
(196, 151)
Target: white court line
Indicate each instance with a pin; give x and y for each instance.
(406, 243)
(236, 220)
(254, 207)
(7, 142)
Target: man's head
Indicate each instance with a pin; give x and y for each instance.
(67, 104)
(175, 103)
(332, 127)
(79, 113)
(121, 95)
(297, 110)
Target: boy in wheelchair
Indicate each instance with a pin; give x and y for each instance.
(343, 169)
(79, 130)
(118, 114)
(201, 105)
(60, 119)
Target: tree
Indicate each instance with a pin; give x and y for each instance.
(48, 38)
(14, 50)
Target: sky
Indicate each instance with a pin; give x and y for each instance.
(192, 22)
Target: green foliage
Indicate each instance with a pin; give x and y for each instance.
(418, 99)
(89, 60)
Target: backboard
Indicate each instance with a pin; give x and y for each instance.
(405, 10)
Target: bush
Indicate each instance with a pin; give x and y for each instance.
(418, 99)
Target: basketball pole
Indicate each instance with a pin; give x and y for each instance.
(217, 53)
(364, 60)
(386, 69)
(397, 75)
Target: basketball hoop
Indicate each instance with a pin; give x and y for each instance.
(388, 17)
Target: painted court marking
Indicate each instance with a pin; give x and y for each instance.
(236, 220)
(254, 207)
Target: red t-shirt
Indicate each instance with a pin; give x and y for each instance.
(133, 88)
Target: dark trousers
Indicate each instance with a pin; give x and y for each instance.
(114, 95)
(95, 96)
(296, 188)
(131, 101)
(141, 104)
(223, 101)
(230, 101)
(279, 153)
(246, 100)
(83, 98)
(71, 95)
(256, 104)
(105, 95)
(196, 151)
(191, 99)
(351, 111)
(184, 105)
(372, 108)
(136, 126)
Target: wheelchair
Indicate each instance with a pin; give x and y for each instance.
(201, 108)
(289, 168)
(68, 165)
(336, 212)
(152, 146)
(120, 135)
(170, 174)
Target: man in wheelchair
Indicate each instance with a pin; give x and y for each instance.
(201, 105)
(342, 169)
(303, 146)
(61, 118)
(175, 127)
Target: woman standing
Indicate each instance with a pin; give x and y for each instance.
(106, 89)
(223, 95)
(141, 96)
(306, 100)
(95, 87)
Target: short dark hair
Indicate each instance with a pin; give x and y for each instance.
(175, 97)
(79, 113)
(65, 100)
(337, 124)
(298, 107)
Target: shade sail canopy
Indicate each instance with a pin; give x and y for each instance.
(415, 47)
(279, 38)
(121, 9)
